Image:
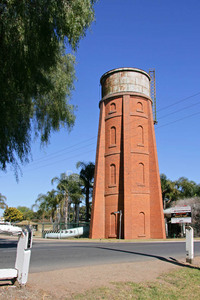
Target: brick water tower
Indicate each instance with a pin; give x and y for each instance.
(127, 200)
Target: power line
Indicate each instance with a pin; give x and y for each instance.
(197, 113)
(179, 101)
(59, 161)
(59, 155)
(64, 149)
(178, 110)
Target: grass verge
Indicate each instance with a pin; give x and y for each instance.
(180, 284)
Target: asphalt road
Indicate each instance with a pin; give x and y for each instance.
(49, 255)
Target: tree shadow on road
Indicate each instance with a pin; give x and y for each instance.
(168, 260)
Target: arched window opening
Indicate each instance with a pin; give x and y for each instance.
(141, 179)
(112, 174)
(113, 225)
(141, 222)
(113, 136)
(112, 107)
(140, 107)
(140, 135)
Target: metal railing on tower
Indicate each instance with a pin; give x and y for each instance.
(153, 93)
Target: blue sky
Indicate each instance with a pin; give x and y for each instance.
(127, 33)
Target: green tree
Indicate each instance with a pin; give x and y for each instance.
(3, 204)
(75, 193)
(62, 188)
(186, 187)
(28, 214)
(198, 190)
(40, 214)
(48, 204)
(12, 214)
(169, 191)
(68, 188)
(37, 39)
(87, 176)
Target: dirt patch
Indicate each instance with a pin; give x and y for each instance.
(62, 284)
(72, 281)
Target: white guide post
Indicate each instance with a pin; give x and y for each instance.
(23, 256)
(189, 244)
(20, 272)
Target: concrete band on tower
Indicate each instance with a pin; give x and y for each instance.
(127, 200)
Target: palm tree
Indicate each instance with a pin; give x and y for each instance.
(69, 187)
(75, 193)
(3, 204)
(48, 203)
(87, 176)
(62, 188)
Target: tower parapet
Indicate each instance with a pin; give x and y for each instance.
(125, 80)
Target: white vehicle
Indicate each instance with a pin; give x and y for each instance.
(7, 228)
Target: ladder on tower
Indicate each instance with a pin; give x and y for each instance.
(153, 93)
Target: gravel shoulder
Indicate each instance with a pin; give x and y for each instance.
(68, 282)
